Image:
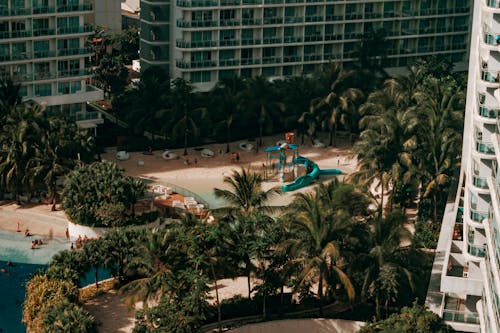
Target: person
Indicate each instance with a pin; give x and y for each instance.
(27, 232)
(72, 247)
(195, 161)
(237, 157)
(33, 245)
(18, 227)
(67, 234)
(85, 239)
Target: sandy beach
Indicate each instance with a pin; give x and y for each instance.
(200, 177)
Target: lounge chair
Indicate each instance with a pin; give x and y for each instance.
(122, 155)
(207, 153)
(246, 146)
(318, 144)
(168, 155)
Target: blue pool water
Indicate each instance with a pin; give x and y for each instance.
(15, 248)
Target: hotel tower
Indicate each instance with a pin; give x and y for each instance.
(44, 47)
(465, 281)
(205, 40)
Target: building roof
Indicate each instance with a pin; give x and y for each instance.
(133, 6)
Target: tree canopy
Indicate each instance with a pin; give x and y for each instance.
(99, 194)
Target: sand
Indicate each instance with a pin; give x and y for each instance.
(200, 178)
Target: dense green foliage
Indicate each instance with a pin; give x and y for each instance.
(37, 147)
(49, 307)
(416, 319)
(99, 194)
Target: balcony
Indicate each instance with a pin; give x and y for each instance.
(461, 316)
(86, 7)
(196, 3)
(272, 40)
(480, 183)
(230, 3)
(313, 38)
(491, 39)
(478, 216)
(247, 61)
(292, 58)
(289, 19)
(194, 44)
(251, 41)
(229, 62)
(476, 250)
(273, 2)
(44, 54)
(195, 63)
(230, 23)
(485, 148)
(488, 113)
(493, 3)
(271, 60)
(489, 76)
(196, 24)
(273, 20)
(312, 57)
(229, 42)
(74, 72)
(251, 21)
(252, 2)
(75, 51)
(75, 30)
(292, 39)
(314, 18)
(40, 32)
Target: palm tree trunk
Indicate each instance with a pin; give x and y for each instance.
(282, 300)
(264, 305)
(219, 310)
(377, 308)
(96, 277)
(320, 292)
(434, 198)
(185, 142)
(381, 208)
(228, 138)
(249, 286)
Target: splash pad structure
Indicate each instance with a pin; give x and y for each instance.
(297, 171)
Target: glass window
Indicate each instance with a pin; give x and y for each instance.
(43, 90)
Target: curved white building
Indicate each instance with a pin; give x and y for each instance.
(465, 281)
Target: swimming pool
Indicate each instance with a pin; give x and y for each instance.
(15, 247)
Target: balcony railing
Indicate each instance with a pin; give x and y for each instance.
(273, 40)
(292, 58)
(251, 41)
(196, 24)
(196, 3)
(75, 8)
(461, 316)
(480, 182)
(195, 64)
(271, 60)
(478, 216)
(229, 62)
(485, 148)
(489, 76)
(493, 3)
(76, 51)
(312, 57)
(476, 250)
(249, 61)
(74, 30)
(292, 39)
(487, 112)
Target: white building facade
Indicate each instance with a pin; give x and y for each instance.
(465, 282)
(43, 46)
(205, 40)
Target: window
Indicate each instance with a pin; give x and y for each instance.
(43, 90)
(200, 76)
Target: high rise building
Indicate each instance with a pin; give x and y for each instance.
(465, 281)
(43, 46)
(205, 40)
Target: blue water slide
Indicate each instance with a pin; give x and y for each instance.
(302, 181)
(313, 172)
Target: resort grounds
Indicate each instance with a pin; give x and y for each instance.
(200, 178)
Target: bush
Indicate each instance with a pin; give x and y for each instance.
(99, 195)
(426, 234)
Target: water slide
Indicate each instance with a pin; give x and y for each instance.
(313, 172)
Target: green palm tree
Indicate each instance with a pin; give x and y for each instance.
(227, 97)
(385, 148)
(260, 99)
(94, 254)
(337, 107)
(245, 194)
(9, 98)
(439, 115)
(315, 232)
(386, 264)
(183, 112)
(68, 317)
(20, 142)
